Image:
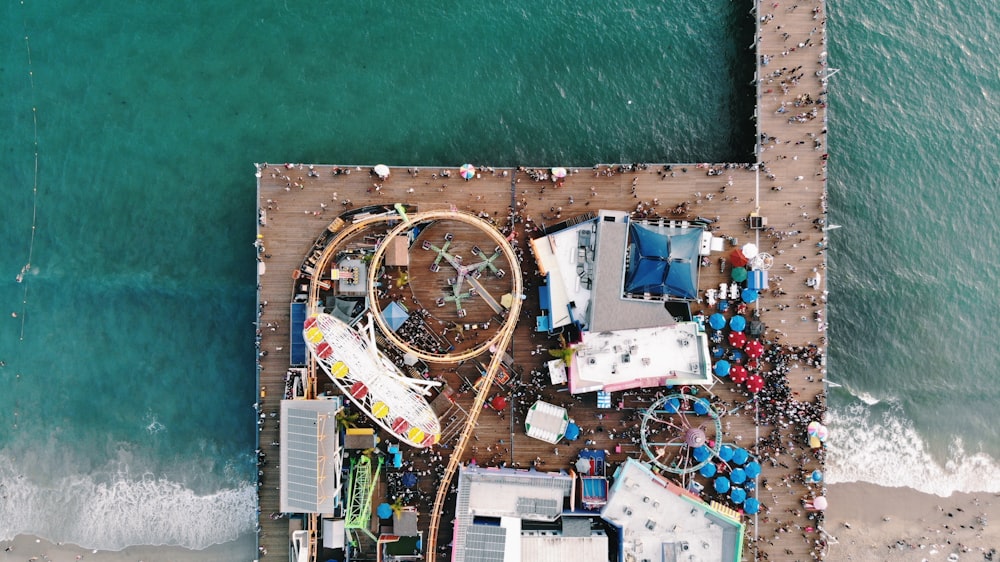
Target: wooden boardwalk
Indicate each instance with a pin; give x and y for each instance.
(298, 202)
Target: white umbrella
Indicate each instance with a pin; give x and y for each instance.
(750, 250)
(382, 171)
(558, 173)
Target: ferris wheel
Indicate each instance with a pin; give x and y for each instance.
(681, 433)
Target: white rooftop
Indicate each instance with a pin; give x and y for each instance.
(612, 361)
(660, 521)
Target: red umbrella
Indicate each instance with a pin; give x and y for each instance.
(755, 383)
(498, 402)
(754, 349)
(738, 259)
(738, 374)
(737, 339)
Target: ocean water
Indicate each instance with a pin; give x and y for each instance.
(914, 156)
(125, 398)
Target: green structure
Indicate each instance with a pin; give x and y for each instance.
(362, 482)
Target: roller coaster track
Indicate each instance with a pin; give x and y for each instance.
(499, 342)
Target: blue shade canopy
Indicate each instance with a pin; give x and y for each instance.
(717, 321)
(708, 470)
(671, 405)
(816, 476)
(737, 323)
(722, 484)
(649, 243)
(702, 453)
(726, 453)
(740, 456)
(752, 469)
(384, 511)
(572, 432)
(685, 246)
(700, 407)
(722, 368)
(682, 280)
(409, 479)
(662, 264)
(737, 495)
(751, 506)
(749, 295)
(738, 476)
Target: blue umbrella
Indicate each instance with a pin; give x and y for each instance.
(572, 432)
(737, 323)
(749, 295)
(726, 453)
(752, 469)
(722, 484)
(671, 405)
(708, 470)
(700, 407)
(409, 479)
(751, 506)
(737, 355)
(722, 368)
(717, 321)
(740, 456)
(384, 511)
(702, 453)
(737, 495)
(738, 476)
(717, 351)
(816, 476)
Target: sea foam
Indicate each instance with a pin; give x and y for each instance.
(883, 447)
(123, 511)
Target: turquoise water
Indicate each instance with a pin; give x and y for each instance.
(125, 408)
(913, 180)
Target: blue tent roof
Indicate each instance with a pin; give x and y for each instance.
(662, 265)
(685, 246)
(647, 276)
(649, 243)
(682, 279)
(394, 315)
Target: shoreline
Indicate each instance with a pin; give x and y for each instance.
(30, 547)
(872, 522)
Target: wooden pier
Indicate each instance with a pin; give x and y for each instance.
(297, 202)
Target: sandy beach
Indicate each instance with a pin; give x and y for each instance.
(876, 523)
(27, 547)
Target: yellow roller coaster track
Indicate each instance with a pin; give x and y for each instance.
(498, 342)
